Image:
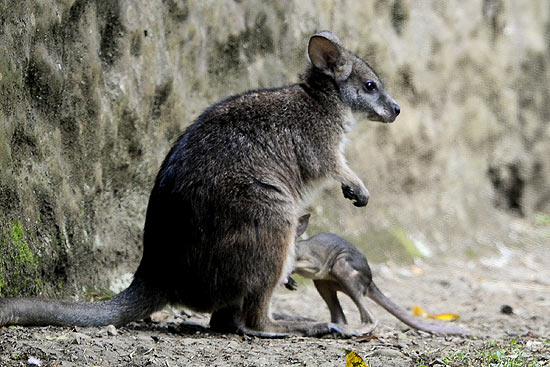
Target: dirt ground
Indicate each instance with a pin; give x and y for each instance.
(476, 290)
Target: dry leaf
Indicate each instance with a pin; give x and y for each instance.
(57, 337)
(354, 360)
(417, 311)
(368, 337)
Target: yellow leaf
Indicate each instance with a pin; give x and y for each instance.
(417, 311)
(445, 316)
(354, 360)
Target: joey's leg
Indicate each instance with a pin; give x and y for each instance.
(348, 278)
(327, 290)
(352, 186)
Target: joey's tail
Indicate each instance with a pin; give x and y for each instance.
(376, 295)
(135, 302)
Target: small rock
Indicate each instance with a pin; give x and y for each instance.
(77, 338)
(507, 310)
(33, 361)
(534, 346)
(111, 330)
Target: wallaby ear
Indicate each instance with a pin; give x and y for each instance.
(322, 52)
(303, 221)
(326, 54)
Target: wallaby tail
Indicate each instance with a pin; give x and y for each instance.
(376, 295)
(135, 302)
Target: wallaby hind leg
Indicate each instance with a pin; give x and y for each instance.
(327, 289)
(225, 320)
(256, 318)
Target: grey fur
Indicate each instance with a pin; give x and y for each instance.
(222, 216)
(335, 265)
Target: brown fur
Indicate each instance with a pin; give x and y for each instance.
(222, 216)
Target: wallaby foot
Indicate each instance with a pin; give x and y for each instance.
(286, 317)
(290, 283)
(227, 320)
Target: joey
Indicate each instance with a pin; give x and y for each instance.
(335, 265)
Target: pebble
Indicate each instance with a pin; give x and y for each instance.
(111, 330)
(33, 361)
(77, 338)
(506, 309)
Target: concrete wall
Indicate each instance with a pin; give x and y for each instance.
(93, 94)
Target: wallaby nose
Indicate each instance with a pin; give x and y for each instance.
(396, 109)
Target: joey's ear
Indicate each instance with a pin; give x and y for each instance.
(302, 224)
(326, 54)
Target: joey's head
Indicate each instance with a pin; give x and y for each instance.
(356, 82)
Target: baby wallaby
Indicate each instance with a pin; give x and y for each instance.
(335, 265)
(221, 221)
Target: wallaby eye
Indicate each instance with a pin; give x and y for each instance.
(370, 85)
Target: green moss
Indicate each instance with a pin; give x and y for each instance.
(2, 282)
(493, 353)
(23, 255)
(19, 266)
(5, 154)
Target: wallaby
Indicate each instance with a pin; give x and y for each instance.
(335, 265)
(221, 220)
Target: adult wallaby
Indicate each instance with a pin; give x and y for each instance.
(221, 221)
(335, 265)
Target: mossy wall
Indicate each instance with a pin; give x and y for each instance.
(93, 94)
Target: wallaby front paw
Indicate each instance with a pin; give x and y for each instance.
(360, 196)
(291, 284)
